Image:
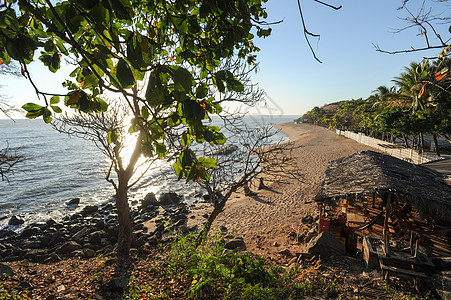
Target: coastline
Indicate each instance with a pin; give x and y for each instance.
(271, 221)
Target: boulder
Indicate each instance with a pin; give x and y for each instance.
(68, 247)
(15, 221)
(119, 284)
(95, 237)
(36, 255)
(89, 209)
(234, 244)
(6, 233)
(6, 270)
(88, 253)
(79, 235)
(149, 199)
(326, 244)
(29, 232)
(74, 201)
(168, 199)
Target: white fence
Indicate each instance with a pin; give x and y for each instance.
(395, 150)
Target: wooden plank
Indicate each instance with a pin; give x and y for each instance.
(402, 271)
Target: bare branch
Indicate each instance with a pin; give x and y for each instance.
(8, 160)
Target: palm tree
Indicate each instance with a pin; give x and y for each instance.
(411, 84)
(383, 92)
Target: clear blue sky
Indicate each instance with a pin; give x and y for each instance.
(293, 80)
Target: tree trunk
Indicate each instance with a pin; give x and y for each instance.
(406, 142)
(437, 151)
(124, 239)
(421, 143)
(202, 235)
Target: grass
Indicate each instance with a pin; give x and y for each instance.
(212, 272)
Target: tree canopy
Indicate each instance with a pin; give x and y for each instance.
(173, 49)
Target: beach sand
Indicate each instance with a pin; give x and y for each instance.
(268, 221)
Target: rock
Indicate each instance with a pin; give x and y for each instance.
(80, 234)
(6, 270)
(275, 244)
(50, 222)
(225, 150)
(307, 219)
(223, 228)
(68, 247)
(53, 257)
(15, 221)
(119, 283)
(235, 244)
(6, 233)
(89, 209)
(179, 223)
(26, 285)
(168, 199)
(326, 244)
(74, 201)
(148, 200)
(36, 255)
(28, 232)
(95, 237)
(88, 253)
(285, 252)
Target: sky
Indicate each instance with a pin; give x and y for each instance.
(293, 80)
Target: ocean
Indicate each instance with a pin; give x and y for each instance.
(58, 168)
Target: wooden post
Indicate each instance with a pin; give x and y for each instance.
(416, 248)
(386, 231)
(374, 200)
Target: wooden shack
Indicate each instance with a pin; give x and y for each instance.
(382, 196)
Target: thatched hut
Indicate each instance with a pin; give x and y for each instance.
(371, 172)
(382, 183)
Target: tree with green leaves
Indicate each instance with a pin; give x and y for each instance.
(172, 50)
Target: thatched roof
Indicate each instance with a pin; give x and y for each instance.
(368, 171)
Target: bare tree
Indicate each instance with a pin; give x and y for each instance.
(107, 131)
(253, 153)
(8, 159)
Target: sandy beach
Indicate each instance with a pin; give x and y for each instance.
(268, 221)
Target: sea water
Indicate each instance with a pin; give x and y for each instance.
(58, 167)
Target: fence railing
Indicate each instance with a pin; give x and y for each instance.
(395, 150)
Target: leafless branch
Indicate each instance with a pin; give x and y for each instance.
(8, 160)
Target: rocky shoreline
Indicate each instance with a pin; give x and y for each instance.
(94, 230)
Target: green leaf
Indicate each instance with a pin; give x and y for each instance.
(30, 107)
(112, 137)
(178, 168)
(202, 91)
(47, 115)
(161, 150)
(183, 79)
(263, 32)
(155, 94)
(56, 109)
(124, 74)
(145, 112)
(208, 163)
(54, 100)
(147, 149)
